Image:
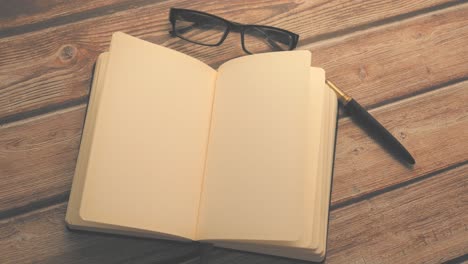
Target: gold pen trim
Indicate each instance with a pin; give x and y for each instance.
(344, 98)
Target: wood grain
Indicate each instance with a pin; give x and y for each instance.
(25, 12)
(399, 60)
(406, 60)
(24, 16)
(424, 222)
(37, 158)
(429, 125)
(41, 237)
(53, 66)
(420, 223)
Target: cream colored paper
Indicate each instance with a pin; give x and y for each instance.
(73, 219)
(146, 163)
(74, 202)
(314, 248)
(119, 199)
(257, 155)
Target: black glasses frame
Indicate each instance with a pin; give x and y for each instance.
(230, 26)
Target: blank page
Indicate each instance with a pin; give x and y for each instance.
(257, 154)
(317, 143)
(313, 248)
(145, 168)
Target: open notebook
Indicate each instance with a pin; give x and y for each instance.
(241, 156)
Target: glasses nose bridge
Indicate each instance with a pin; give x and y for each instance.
(236, 27)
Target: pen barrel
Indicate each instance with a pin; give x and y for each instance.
(377, 131)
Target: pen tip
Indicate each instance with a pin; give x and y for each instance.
(411, 160)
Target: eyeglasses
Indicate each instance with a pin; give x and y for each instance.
(210, 30)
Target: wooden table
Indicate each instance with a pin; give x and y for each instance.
(405, 61)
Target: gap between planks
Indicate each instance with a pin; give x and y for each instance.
(390, 188)
(59, 200)
(377, 25)
(73, 18)
(63, 197)
(345, 33)
(81, 102)
(51, 217)
(51, 109)
(41, 110)
(71, 105)
(119, 7)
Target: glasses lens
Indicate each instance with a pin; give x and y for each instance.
(259, 39)
(199, 28)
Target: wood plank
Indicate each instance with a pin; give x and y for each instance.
(421, 223)
(25, 12)
(37, 158)
(41, 237)
(449, 100)
(399, 60)
(16, 16)
(424, 222)
(53, 66)
(432, 126)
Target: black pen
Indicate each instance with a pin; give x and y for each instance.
(371, 125)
